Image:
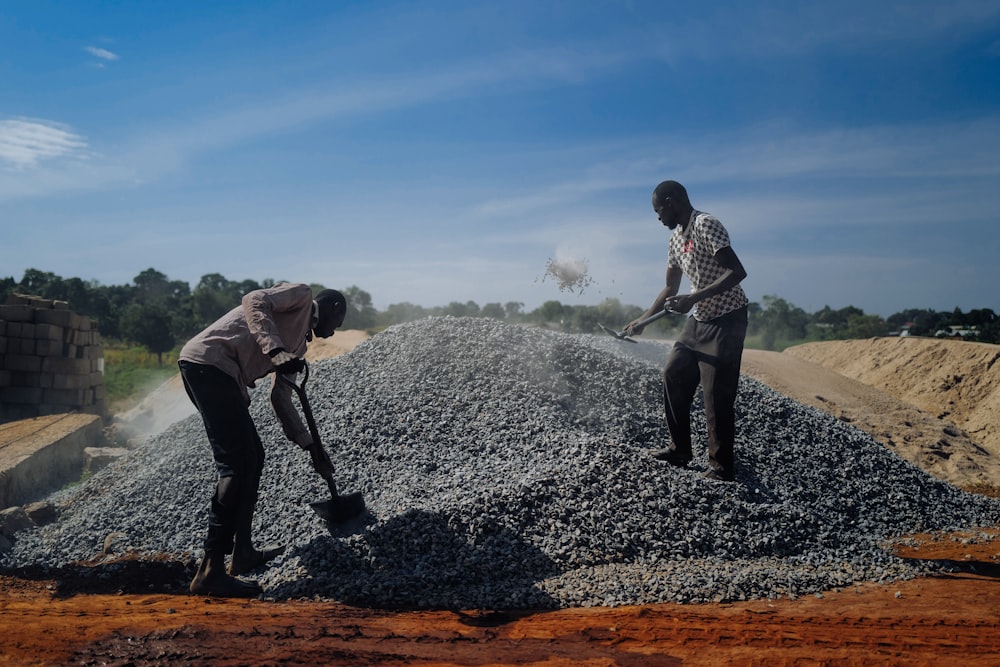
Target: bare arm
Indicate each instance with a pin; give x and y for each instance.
(288, 415)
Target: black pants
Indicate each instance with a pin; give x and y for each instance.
(709, 353)
(237, 449)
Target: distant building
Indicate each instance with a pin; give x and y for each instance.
(957, 331)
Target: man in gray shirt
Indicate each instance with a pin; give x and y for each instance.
(267, 333)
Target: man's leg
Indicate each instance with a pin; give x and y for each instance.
(233, 437)
(722, 348)
(245, 557)
(680, 381)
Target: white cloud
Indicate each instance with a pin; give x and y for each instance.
(24, 143)
(103, 54)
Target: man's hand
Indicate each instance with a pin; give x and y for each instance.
(287, 363)
(321, 462)
(680, 303)
(633, 328)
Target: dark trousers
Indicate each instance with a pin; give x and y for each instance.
(237, 449)
(709, 353)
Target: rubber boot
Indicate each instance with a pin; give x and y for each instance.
(211, 579)
(246, 558)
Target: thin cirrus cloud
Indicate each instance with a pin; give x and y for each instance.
(103, 54)
(26, 143)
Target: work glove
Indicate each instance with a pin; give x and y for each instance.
(321, 462)
(287, 363)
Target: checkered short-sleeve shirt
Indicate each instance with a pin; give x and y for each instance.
(693, 251)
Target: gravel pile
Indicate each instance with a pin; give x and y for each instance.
(509, 467)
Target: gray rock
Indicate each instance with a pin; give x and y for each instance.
(507, 467)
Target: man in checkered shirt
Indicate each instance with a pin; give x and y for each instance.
(710, 346)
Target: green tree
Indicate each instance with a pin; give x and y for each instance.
(493, 310)
(549, 312)
(361, 313)
(459, 309)
(513, 310)
(213, 297)
(921, 321)
(400, 312)
(39, 283)
(865, 326)
(149, 325)
(7, 287)
(780, 320)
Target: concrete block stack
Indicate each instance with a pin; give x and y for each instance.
(51, 360)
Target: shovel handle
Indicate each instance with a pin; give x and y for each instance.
(300, 389)
(649, 320)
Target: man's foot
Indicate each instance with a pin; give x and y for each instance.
(717, 476)
(671, 456)
(224, 586)
(248, 560)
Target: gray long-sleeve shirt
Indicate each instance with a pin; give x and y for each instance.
(239, 343)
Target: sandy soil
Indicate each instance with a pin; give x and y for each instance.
(137, 613)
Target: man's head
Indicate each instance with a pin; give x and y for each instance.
(671, 204)
(332, 308)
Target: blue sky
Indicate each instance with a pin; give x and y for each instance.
(431, 152)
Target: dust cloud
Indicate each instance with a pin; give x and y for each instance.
(570, 274)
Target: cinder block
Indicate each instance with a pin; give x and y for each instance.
(14, 329)
(98, 458)
(70, 382)
(48, 332)
(48, 348)
(64, 366)
(4, 378)
(60, 318)
(70, 397)
(41, 512)
(16, 313)
(21, 395)
(22, 362)
(26, 346)
(13, 520)
(22, 379)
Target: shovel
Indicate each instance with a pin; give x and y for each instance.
(339, 509)
(620, 335)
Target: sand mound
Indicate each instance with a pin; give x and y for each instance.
(955, 381)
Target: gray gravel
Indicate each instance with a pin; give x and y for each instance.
(509, 467)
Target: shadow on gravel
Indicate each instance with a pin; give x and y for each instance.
(420, 560)
(129, 576)
(952, 569)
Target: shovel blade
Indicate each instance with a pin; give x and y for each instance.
(616, 334)
(340, 509)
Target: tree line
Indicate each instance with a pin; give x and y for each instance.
(160, 313)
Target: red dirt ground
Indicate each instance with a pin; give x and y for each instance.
(141, 615)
